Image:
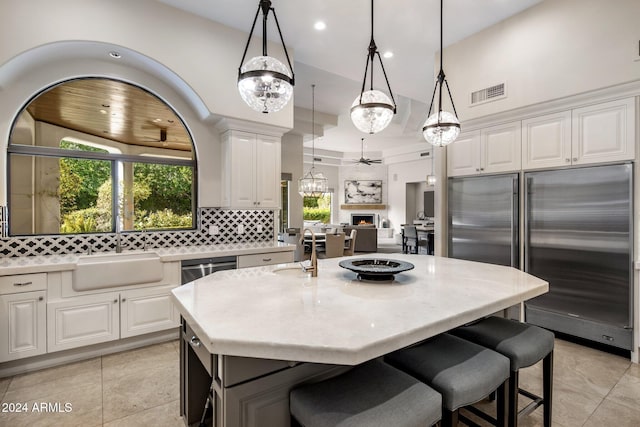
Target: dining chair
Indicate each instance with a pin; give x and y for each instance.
(334, 245)
(411, 240)
(352, 243)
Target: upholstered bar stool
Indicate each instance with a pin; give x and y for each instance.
(461, 371)
(524, 345)
(373, 394)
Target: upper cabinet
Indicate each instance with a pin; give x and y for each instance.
(603, 132)
(490, 150)
(250, 170)
(594, 134)
(546, 141)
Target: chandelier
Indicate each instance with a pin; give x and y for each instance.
(373, 110)
(265, 83)
(313, 184)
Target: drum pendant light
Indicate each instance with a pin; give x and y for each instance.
(372, 110)
(313, 184)
(265, 83)
(442, 127)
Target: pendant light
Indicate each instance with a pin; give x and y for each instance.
(313, 184)
(431, 178)
(442, 127)
(265, 83)
(373, 110)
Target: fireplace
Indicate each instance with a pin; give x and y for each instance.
(362, 219)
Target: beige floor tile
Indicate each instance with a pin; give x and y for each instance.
(29, 391)
(634, 370)
(571, 406)
(4, 385)
(55, 374)
(612, 414)
(132, 362)
(627, 392)
(146, 388)
(85, 408)
(167, 415)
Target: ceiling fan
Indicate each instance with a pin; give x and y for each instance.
(162, 137)
(362, 159)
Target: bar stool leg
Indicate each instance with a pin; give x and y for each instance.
(501, 405)
(295, 423)
(449, 418)
(547, 387)
(513, 399)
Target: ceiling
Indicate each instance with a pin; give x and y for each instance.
(334, 58)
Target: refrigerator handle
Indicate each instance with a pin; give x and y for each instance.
(527, 226)
(514, 224)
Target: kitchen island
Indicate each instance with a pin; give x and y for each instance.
(257, 332)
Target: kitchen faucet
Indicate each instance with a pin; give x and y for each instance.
(313, 269)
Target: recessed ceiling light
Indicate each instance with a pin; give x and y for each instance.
(388, 54)
(115, 55)
(103, 111)
(157, 120)
(319, 25)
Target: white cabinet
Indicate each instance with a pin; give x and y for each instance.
(604, 132)
(256, 260)
(92, 319)
(250, 170)
(22, 325)
(594, 134)
(147, 310)
(79, 321)
(490, 150)
(546, 141)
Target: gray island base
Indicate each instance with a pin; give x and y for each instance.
(250, 335)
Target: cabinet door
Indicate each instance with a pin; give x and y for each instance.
(267, 172)
(22, 325)
(501, 148)
(81, 321)
(242, 171)
(463, 155)
(546, 141)
(604, 132)
(147, 310)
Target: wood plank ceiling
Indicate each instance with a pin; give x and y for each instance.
(114, 110)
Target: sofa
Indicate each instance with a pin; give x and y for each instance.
(366, 237)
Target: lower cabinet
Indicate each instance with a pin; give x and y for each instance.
(93, 319)
(22, 325)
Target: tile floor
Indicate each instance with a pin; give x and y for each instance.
(140, 388)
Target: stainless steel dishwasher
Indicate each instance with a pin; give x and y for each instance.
(193, 269)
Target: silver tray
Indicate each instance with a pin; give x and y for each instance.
(375, 268)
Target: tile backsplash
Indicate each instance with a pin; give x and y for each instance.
(227, 222)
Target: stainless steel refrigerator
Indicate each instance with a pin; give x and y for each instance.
(578, 237)
(483, 219)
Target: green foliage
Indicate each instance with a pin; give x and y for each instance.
(170, 187)
(88, 220)
(317, 214)
(165, 218)
(310, 202)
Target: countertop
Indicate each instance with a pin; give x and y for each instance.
(52, 263)
(336, 319)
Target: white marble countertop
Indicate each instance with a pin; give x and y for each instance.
(336, 319)
(52, 263)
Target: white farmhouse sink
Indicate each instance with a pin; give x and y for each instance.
(110, 270)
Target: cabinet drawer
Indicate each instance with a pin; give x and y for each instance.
(23, 283)
(193, 341)
(257, 260)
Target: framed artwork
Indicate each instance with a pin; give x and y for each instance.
(362, 192)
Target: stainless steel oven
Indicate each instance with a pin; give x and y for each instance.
(196, 268)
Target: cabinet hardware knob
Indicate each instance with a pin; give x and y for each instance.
(258, 203)
(115, 301)
(575, 159)
(195, 342)
(23, 284)
(40, 298)
(567, 160)
(477, 169)
(124, 300)
(481, 169)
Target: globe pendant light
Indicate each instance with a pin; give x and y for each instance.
(373, 110)
(265, 83)
(313, 184)
(441, 128)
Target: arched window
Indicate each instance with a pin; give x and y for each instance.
(72, 142)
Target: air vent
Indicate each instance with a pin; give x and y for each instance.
(489, 94)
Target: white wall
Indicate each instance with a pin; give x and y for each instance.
(360, 172)
(555, 49)
(399, 174)
(292, 163)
